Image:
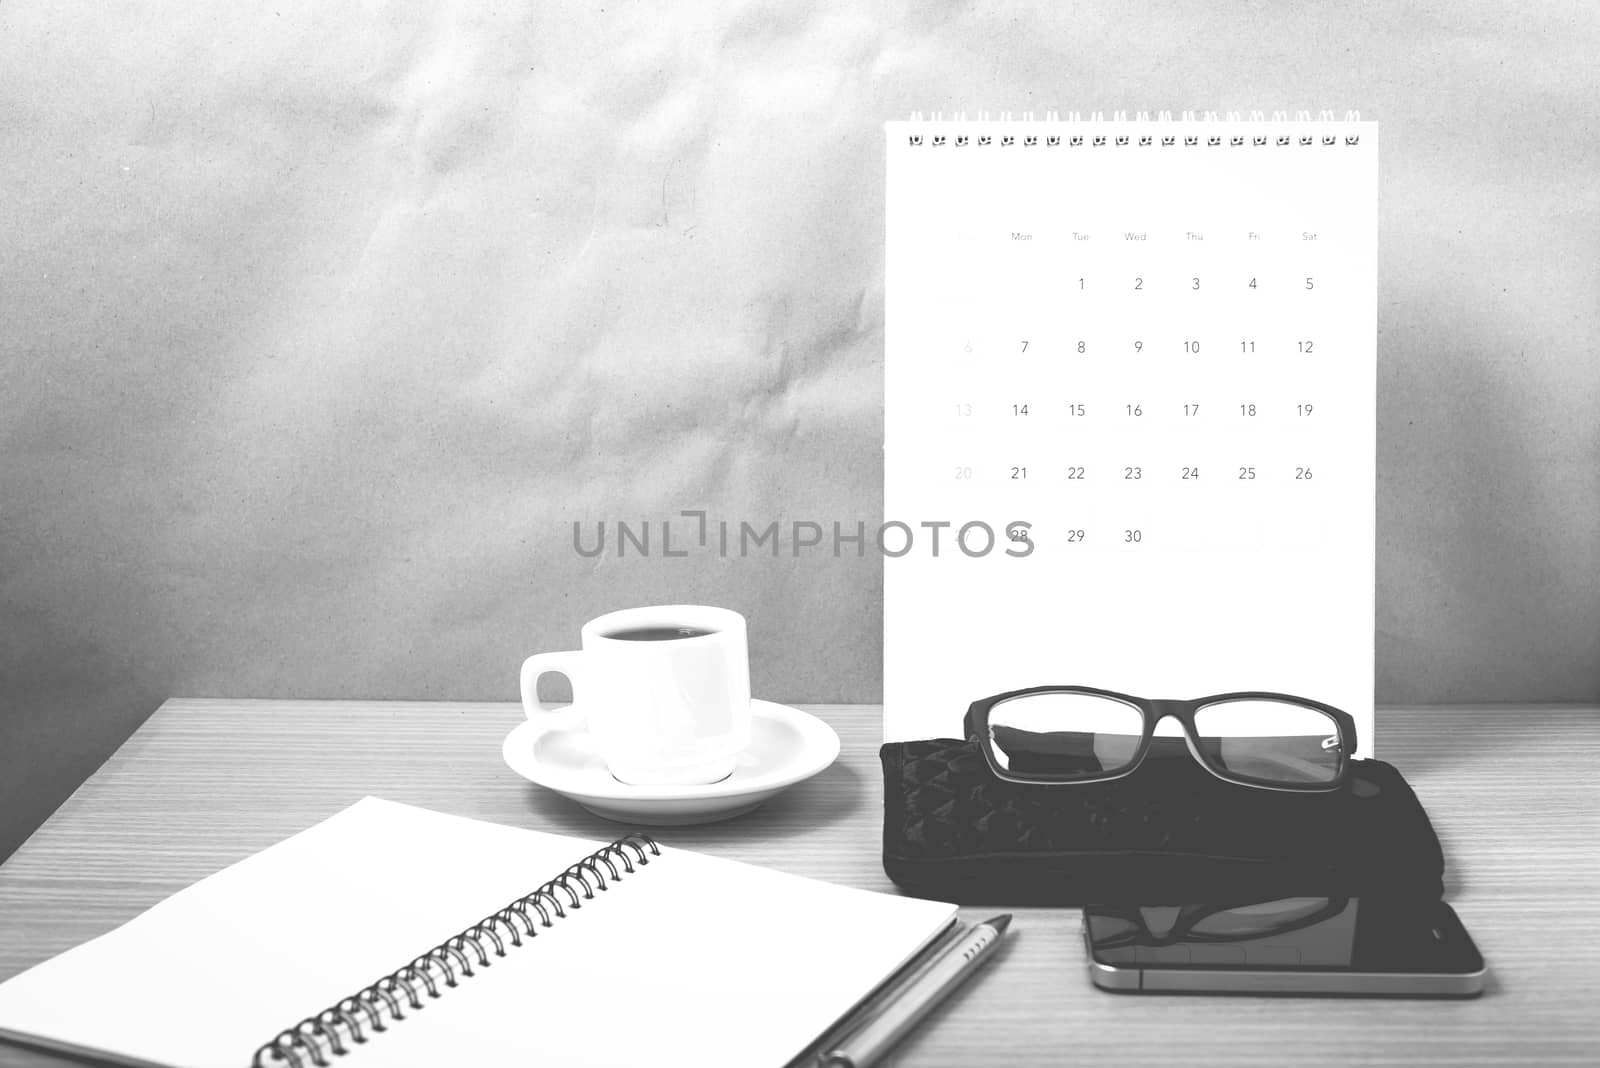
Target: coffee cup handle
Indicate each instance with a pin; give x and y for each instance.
(554, 717)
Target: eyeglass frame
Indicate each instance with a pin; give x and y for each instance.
(976, 725)
(1189, 916)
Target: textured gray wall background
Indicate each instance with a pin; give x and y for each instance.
(320, 327)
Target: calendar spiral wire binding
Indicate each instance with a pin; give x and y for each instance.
(336, 1029)
(1197, 121)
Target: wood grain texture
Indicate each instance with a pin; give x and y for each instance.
(1512, 793)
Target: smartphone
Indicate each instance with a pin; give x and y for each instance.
(1376, 947)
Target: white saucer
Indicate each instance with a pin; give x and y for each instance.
(786, 746)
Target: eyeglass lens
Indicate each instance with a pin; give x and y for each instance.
(1270, 741)
(1062, 736)
(1265, 917)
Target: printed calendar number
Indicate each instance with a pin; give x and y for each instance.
(1075, 537)
(1247, 474)
(1075, 409)
(1075, 474)
(1132, 537)
(1303, 474)
(1190, 473)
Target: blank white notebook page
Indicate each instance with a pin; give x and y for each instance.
(1131, 369)
(740, 965)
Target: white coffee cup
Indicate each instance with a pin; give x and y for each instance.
(664, 692)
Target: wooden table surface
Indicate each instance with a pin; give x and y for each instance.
(1512, 792)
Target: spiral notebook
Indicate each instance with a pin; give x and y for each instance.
(392, 935)
(1130, 408)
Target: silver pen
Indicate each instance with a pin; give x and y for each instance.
(954, 967)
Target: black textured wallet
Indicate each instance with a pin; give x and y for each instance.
(1169, 833)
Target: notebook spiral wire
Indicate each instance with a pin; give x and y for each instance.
(334, 1031)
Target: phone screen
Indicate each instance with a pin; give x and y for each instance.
(1298, 934)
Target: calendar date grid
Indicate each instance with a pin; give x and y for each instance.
(1170, 395)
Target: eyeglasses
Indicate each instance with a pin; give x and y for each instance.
(1078, 734)
(1109, 927)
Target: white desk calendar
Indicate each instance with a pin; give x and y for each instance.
(1142, 355)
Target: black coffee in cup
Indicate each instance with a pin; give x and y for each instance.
(658, 634)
